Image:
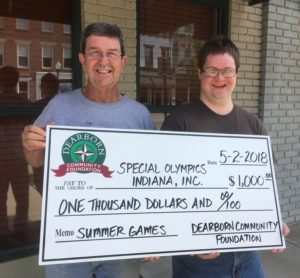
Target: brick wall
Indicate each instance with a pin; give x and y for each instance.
(280, 101)
(122, 13)
(245, 29)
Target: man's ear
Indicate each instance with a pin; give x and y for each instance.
(199, 73)
(81, 59)
(124, 61)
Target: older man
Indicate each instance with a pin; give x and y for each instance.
(99, 104)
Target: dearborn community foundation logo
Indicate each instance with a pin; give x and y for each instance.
(83, 153)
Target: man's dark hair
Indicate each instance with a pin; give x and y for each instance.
(9, 77)
(50, 82)
(218, 45)
(104, 30)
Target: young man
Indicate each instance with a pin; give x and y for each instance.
(99, 104)
(216, 113)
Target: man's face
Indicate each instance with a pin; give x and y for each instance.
(102, 61)
(217, 90)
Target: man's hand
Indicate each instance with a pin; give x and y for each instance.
(208, 256)
(152, 259)
(34, 138)
(285, 232)
(34, 142)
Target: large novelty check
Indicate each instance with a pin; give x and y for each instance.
(112, 194)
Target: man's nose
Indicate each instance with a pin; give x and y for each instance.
(220, 75)
(103, 58)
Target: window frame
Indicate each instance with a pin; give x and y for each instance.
(45, 25)
(149, 62)
(22, 24)
(67, 29)
(25, 81)
(19, 56)
(51, 47)
(67, 47)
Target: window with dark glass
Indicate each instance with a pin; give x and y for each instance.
(175, 29)
(47, 56)
(22, 24)
(47, 26)
(67, 64)
(1, 54)
(28, 51)
(67, 29)
(149, 56)
(23, 55)
(23, 87)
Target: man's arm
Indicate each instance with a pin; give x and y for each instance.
(34, 142)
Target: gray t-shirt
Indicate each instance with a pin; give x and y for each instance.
(73, 109)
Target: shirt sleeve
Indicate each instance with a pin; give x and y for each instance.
(45, 117)
(149, 124)
(174, 122)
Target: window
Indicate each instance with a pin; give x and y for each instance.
(21, 62)
(165, 52)
(67, 29)
(1, 54)
(22, 24)
(171, 33)
(23, 87)
(1, 22)
(23, 53)
(67, 58)
(47, 56)
(47, 26)
(149, 56)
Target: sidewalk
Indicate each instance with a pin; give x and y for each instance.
(284, 265)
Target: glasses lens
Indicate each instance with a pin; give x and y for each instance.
(211, 72)
(113, 55)
(228, 72)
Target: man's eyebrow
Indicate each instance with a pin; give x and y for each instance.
(91, 48)
(96, 48)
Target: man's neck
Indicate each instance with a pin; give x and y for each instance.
(104, 96)
(220, 108)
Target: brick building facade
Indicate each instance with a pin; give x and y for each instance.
(279, 98)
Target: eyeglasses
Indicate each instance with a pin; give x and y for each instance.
(213, 72)
(110, 55)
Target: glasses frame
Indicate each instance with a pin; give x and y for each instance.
(110, 55)
(214, 72)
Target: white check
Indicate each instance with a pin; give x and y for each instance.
(115, 194)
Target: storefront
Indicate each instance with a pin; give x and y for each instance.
(162, 41)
